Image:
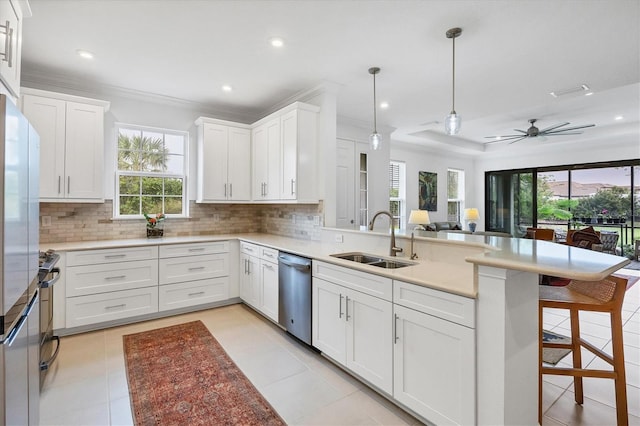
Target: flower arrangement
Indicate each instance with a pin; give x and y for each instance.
(154, 225)
(152, 222)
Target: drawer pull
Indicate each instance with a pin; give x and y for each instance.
(268, 255)
(266, 265)
(199, 293)
(114, 256)
(196, 268)
(197, 249)
(122, 305)
(117, 277)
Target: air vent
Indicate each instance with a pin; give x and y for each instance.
(564, 92)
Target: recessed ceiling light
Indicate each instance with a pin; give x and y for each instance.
(84, 54)
(384, 105)
(588, 94)
(227, 88)
(276, 42)
(619, 117)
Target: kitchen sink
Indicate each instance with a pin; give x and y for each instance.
(373, 260)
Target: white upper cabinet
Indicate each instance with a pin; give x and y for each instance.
(285, 155)
(11, 47)
(71, 131)
(224, 161)
(266, 161)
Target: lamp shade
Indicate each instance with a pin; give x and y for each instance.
(471, 214)
(419, 217)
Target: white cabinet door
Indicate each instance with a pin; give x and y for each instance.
(10, 56)
(212, 163)
(289, 130)
(328, 330)
(266, 161)
(369, 335)
(250, 280)
(345, 184)
(84, 151)
(434, 367)
(239, 164)
(259, 162)
(48, 117)
(269, 289)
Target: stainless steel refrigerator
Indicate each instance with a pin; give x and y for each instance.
(19, 293)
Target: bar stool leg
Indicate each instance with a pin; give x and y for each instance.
(540, 363)
(577, 354)
(618, 367)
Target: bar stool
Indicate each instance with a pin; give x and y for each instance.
(607, 296)
(541, 234)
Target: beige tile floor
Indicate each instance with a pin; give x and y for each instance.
(87, 384)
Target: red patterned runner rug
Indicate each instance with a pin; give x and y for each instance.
(180, 375)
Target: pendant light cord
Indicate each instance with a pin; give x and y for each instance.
(453, 81)
(375, 127)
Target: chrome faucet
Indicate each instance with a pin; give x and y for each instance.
(393, 249)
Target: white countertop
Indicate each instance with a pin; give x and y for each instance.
(536, 256)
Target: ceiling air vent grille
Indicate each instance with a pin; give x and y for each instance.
(564, 92)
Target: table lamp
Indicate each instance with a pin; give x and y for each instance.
(420, 218)
(471, 215)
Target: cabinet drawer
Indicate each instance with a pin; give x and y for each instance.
(178, 269)
(451, 307)
(269, 254)
(93, 279)
(192, 293)
(250, 249)
(91, 257)
(357, 280)
(177, 250)
(96, 308)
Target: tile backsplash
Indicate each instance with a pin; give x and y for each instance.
(89, 222)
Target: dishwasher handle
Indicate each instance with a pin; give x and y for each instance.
(301, 264)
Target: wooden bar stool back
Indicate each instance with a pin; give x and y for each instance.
(595, 296)
(541, 234)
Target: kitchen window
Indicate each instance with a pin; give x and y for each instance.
(397, 193)
(455, 195)
(151, 171)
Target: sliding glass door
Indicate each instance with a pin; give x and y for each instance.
(510, 201)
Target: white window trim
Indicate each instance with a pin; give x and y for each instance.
(402, 193)
(118, 173)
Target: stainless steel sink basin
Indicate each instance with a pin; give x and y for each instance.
(373, 260)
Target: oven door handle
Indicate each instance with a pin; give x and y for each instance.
(52, 281)
(44, 365)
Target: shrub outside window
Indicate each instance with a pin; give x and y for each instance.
(151, 171)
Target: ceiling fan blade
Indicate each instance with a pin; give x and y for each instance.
(516, 140)
(562, 134)
(521, 131)
(504, 136)
(570, 128)
(553, 127)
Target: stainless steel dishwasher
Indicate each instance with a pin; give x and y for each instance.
(294, 310)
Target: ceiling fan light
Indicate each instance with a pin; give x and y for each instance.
(452, 123)
(375, 141)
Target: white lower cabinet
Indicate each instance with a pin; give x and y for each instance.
(96, 308)
(259, 282)
(434, 358)
(353, 328)
(193, 274)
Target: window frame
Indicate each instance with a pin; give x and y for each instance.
(119, 173)
(401, 199)
(460, 199)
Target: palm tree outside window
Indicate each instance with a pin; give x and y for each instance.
(150, 172)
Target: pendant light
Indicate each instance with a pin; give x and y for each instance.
(452, 121)
(375, 139)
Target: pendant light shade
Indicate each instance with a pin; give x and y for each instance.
(453, 121)
(375, 139)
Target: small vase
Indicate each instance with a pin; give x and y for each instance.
(155, 232)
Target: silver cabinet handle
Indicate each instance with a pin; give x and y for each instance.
(268, 255)
(340, 307)
(197, 249)
(292, 182)
(116, 277)
(230, 190)
(68, 184)
(395, 328)
(59, 180)
(196, 268)
(122, 305)
(225, 190)
(266, 265)
(8, 44)
(196, 294)
(347, 308)
(113, 256)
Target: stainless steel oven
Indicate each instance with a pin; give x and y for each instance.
(49, 344)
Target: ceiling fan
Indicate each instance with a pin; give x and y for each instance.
(533, 132)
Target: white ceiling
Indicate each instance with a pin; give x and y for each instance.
(510, 55)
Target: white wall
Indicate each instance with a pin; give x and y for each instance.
(419, 159)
